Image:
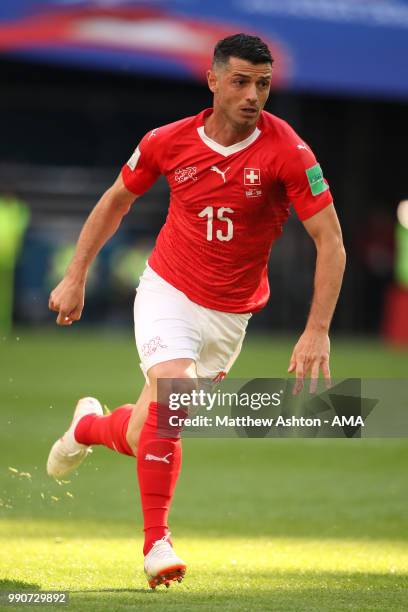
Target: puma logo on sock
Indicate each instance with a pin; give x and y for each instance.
(150, 457)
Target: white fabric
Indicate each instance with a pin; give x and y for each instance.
(168, 325)
(231, 149)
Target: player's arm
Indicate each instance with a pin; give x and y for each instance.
(312, 352)
(68, 297)
(136, 177)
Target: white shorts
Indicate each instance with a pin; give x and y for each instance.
(168, 325)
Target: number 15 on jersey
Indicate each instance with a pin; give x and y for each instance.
(208, 212)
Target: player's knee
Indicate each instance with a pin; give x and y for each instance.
(178, 376)
(177, 369)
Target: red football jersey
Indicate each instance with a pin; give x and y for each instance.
(227, 205)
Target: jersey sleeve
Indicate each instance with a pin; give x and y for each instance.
(303, 179)
(144, 167)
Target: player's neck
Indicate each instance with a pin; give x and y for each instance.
(223, 132)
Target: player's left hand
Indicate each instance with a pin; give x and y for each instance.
(311, 354)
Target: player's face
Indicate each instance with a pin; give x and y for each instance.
(241, 90)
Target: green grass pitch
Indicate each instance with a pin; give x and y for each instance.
(263, 524)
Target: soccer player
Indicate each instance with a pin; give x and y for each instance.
(233, 171)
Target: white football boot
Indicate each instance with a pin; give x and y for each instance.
(162, 565)
(67, 454)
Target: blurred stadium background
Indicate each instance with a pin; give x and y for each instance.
(81, 82)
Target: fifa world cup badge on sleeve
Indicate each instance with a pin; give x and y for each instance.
(316, 180)
(132, 162)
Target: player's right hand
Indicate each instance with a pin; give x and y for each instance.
(68, 300)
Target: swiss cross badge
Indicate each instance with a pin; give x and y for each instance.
(252, 176)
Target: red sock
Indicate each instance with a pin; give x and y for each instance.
(109, 430)
(158, 468)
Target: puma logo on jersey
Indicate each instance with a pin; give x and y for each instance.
(218, 171)
(150, 457)
(220, 376)
(302, 146)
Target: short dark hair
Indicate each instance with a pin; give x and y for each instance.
(243, 46)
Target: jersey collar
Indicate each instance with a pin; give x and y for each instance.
(218, 148)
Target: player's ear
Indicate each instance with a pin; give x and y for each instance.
(212, 80)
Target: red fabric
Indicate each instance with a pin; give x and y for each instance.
(221, 224)
(395, 318)
(109, 430)
(158, 468)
